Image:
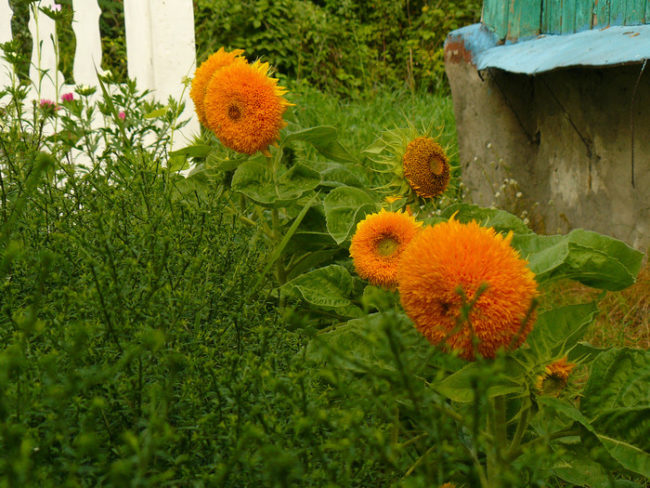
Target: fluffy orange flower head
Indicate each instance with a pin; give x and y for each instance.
(378, 244)
(244, 106)
(451, 257)
(426, 167)
(204, 73)
(555, 377)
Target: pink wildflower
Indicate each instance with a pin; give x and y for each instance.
(48, 104)
(122, 115)
(56, 7)
(67, 97)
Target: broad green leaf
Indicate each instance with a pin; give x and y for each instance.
(461, 385)
(576, 466)
(559, 329)
(328, 287)
(336, 174)
(500, 220)
(194, 151)
(363, 344)
(324, 140)
(619, 378)
(615, 406)
(177, 162)
(585, 353)
(344, 207)
(588, 257)
(630, 456)
(253, 179)
(311, 260)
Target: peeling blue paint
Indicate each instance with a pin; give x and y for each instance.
(597, 47)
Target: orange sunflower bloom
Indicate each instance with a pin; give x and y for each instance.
(451, 257)
(555, 377)
(244, 106)
(426, 167)
(204, 73)
(378, 244)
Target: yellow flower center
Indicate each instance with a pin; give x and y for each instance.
(387, 246)
(435, 164)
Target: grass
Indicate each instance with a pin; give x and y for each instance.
(360, 121)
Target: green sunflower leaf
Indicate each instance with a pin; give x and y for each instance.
(344, 207)
(253, 179)
(500, 220)
(588, 257)
(324, 140)
(329, 287)
(556, 331)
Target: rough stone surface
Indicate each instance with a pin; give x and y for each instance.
(565, 137)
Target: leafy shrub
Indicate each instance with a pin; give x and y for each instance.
(347, 46)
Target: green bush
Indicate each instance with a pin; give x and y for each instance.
(346, 47)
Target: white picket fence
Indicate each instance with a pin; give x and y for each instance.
(159, 42)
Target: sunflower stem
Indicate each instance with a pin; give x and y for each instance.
(522, 425)
(496, 464)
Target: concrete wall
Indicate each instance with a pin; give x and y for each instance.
(564, 140)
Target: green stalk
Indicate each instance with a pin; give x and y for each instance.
(497, 418)
(522, 425)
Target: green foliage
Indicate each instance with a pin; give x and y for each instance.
(347, 47)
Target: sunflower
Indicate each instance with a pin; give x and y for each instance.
(378, 244)
(555, 377)
(203, 74)
(418, 165)
(244, 106)
(426, 167)
(450, 265)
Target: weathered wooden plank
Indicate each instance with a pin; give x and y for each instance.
(584, 11)
(601, 13)
(530, 18)
(501, 19)
(552, 16)
(617, 12)
(495, 17)
(487, 13)
(568, 16)
(634, 12)
(514, 19)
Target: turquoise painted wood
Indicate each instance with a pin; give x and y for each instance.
(617, 12)
(601, 14)
(495, 14)
(527, 22)
(511, 20)
(552, 17)
(634, 12)
(584, 16)
(568, 16)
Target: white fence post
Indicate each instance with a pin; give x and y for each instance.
(6, 69)
(43, 70)
(88, 52)
(161, 52)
